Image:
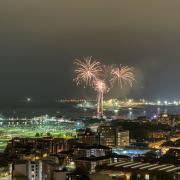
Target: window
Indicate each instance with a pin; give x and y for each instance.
(147, 177)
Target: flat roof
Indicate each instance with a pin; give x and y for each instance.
(167, 168)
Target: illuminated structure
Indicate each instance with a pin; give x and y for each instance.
(27, 170)
(140, 170)
(171, 120)
(84, 150)
(112, 136)
(46, 169)
(87, 137)
(44, 147)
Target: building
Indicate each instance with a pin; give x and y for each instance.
(19, 170)
(171, 120)
(127, 170)
(89, 164)
(158, 134)
(60, 175)
(171, 152)
(47, 169)
(112, 136)
(84, 150)
(35, 170)
(37, 148)
(27, 170)
(122, 138)
(87, 137)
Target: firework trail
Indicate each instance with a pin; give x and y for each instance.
(101, 88)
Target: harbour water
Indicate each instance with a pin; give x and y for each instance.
(71, 110)
(27, 122)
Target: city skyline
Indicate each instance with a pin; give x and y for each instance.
(89, 90)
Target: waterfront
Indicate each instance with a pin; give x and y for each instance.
(63, 121)
(73, 110)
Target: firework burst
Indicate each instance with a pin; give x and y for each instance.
(88, 70)
(101, 78)
(123, 75)
(100, 86)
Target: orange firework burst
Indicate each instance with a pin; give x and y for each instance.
(123, 75)
(88, 70)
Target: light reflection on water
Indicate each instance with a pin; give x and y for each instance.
(69, 110)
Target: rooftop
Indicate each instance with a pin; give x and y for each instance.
(87, 146)
(166, 168)
(93, 158)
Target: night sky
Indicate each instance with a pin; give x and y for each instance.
(40, 38)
